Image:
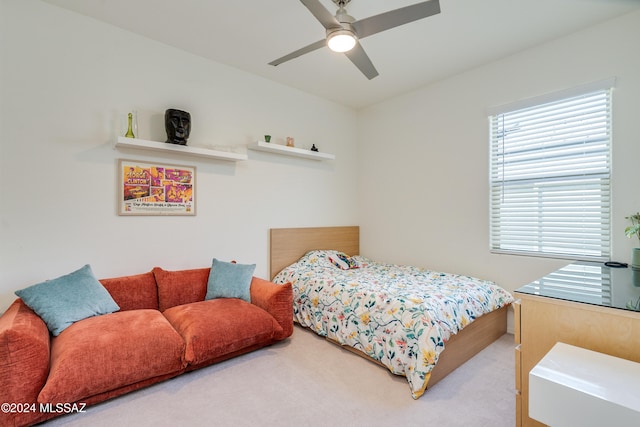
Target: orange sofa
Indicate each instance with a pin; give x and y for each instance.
(164, 328)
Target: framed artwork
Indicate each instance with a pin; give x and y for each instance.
(156, 189)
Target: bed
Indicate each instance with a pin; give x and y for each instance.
(382, 326)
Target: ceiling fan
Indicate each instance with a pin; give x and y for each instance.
(343, 31)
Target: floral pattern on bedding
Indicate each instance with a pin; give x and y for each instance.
(399, 315)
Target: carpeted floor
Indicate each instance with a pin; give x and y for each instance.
(307, 381)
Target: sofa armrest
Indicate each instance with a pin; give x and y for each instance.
(24, 360)
(276, 300)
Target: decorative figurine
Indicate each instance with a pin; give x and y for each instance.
(290, 142)
(314, 148)
(177, 123)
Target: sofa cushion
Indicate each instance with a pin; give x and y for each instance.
(217, 327)
(180, 287)
(67, 299)
(24, 360)
(230, 280)
(106, 352)
(134, 292)
(277, 300)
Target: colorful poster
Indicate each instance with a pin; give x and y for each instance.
(155, 189)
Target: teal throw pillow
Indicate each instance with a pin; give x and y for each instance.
(230, 280)
(61, 302)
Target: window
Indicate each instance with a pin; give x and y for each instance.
(550, 176)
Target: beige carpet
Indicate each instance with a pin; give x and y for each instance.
(307, 381)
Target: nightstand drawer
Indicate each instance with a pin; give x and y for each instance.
(518, 356)
(516, 321)
(518, 409)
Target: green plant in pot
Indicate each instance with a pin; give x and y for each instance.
(631, 231)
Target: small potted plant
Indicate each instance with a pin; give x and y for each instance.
(631, 231)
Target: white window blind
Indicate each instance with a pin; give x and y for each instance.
(550, 178)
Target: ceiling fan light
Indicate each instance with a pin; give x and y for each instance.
(341, 41)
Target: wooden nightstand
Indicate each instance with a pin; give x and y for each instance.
(584, 305)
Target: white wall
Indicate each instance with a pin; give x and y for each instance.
(420, 161)
(423, 157)
(66, 80)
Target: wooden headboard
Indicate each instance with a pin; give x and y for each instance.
(287, 245)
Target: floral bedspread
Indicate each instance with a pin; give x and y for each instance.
(399, 315)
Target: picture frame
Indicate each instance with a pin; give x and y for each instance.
(151, 188)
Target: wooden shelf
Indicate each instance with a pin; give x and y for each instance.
(290, 151)
(143, 144)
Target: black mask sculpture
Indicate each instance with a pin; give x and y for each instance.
(177, 123)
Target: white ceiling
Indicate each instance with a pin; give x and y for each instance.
(249, 34)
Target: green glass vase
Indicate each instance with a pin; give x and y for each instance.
(130, 133)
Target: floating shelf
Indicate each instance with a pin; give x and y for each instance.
(143, 144)
(271, 147)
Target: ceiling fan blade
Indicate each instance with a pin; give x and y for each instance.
(395, 18)
(360, 59)
(314, 46)
(325, 17)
